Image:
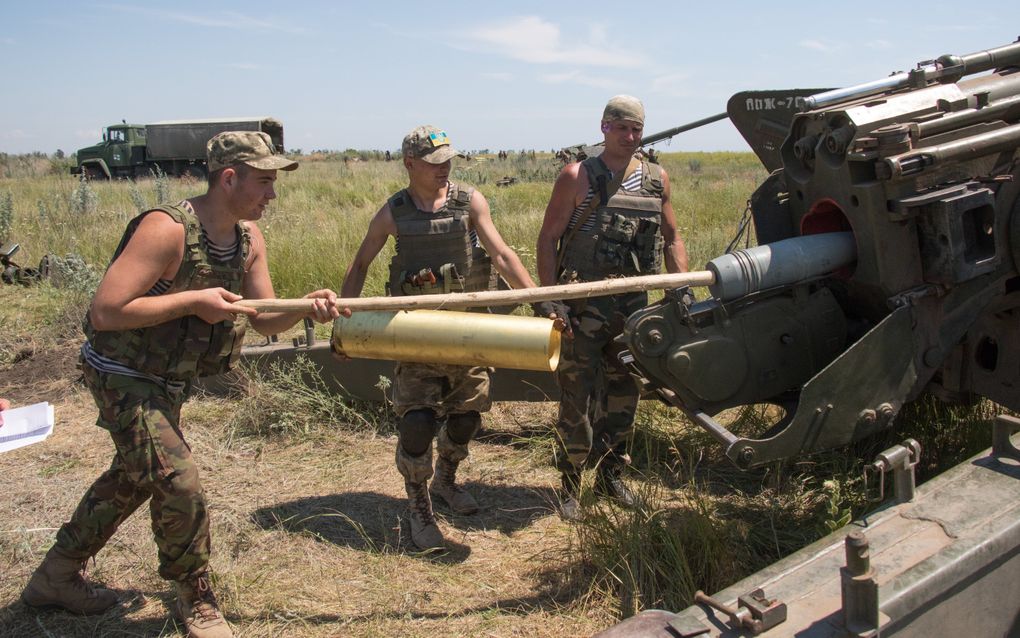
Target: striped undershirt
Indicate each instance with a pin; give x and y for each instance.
(217, 252)
(630, 185)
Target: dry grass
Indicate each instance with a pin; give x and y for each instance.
(307, 533)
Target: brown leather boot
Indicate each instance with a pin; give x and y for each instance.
(424, 531)
(445, 487)
(59, 582)
(196, 608)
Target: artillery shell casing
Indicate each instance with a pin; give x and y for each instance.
(459, 338)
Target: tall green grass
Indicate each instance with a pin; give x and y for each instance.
(323, 209)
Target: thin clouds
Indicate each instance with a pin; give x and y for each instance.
(15, 134)
(576, 77)
(675, 84)
(535, 40)
(218, 20)
(817, 45)
(497, 75)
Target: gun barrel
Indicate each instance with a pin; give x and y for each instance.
(917, 161)
(662, 135)
(948, 67)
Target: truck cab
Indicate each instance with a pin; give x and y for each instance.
(120, 154)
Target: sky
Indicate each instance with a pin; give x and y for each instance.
(495, 75)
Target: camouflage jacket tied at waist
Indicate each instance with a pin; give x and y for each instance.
(435, 253)
(185, 348)
(625, 238)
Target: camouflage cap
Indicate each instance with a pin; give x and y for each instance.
(428, 143)
(624, 107)
(253, 148)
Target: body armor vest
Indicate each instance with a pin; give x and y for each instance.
(185, 348)
(625, 239)
(435, 254)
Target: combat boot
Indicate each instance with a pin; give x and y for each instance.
(609, 484)
(59, 581)
(425, 532)
(445, 487)
(196, 608)
(570, 506)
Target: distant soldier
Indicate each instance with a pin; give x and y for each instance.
(445, 242)
(165, 313)
(608, 216)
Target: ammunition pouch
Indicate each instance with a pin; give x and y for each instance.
(447, 280)
(629, 246)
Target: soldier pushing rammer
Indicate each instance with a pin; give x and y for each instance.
(445, 242)
(608, 216)
(164, 314)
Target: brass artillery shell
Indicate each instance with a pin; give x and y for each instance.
(460, 338)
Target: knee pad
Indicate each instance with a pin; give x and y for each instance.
(416, 429)
(462, 427)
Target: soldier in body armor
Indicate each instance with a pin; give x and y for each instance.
(445, 242)
(608, 216)
(164, 314)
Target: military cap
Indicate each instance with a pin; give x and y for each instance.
(624, 107)
(253, 148)
(428, 143)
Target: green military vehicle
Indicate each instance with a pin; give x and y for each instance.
(175, 147)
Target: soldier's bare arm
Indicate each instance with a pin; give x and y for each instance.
(675, 252)
(154, 252)
(565, 197)
(258, 285)
(503, 257)
(380, 229)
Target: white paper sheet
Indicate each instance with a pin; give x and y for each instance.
(24, 426)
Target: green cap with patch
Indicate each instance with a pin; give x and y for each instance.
(428, 143)
(253, 148)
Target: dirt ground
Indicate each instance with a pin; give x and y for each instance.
(309, 536)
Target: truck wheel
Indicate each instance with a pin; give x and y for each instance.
(93, 172)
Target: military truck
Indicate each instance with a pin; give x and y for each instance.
(174, 147)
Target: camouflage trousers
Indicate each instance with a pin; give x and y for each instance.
(598, 397)
(152, 463)
(444, 389)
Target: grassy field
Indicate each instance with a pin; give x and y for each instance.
(306, 505)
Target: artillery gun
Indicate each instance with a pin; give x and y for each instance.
(912, 180)
(888, 264)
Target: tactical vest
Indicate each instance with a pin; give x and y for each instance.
(437, 244)
(625, 239)
(181, 349)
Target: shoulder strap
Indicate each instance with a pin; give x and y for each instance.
(460, 200)
(651, 178)
(600, 190)
(401, 204)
